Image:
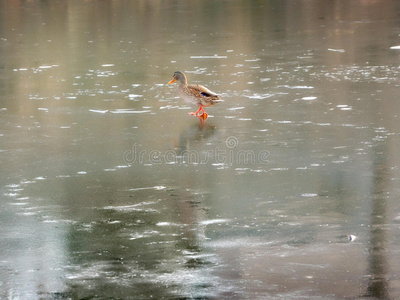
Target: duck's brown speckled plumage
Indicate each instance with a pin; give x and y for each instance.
(195, 94)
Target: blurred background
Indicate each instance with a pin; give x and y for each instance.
(110, 190)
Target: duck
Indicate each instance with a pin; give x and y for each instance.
(195, 94)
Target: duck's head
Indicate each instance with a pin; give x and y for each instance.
(178, 76)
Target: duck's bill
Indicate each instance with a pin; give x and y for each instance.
(172, 81)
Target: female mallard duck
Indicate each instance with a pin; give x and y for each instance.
(195, 94)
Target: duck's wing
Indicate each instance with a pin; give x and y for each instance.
(199, 90)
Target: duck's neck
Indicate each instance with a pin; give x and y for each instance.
(183, 80)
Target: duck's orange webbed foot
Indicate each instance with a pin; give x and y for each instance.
(204, 115)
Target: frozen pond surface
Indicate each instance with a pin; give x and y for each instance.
(289, 190)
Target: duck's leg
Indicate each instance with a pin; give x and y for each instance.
(197, 112)
(203, 113)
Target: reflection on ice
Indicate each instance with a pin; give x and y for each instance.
(120, 111)
(167, 224)
(134, 207)
(309, 98)
(133, 96)
(236, 108)
(214, 221)
(259, 96)
(157, 188)
(128, 111)
(99, 111)
(296, 87)
(80, 221)
(336, 50)
(209, 56)
(145, 234)
(309, 195)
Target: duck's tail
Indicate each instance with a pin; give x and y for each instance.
(212, 101)
(215, 99)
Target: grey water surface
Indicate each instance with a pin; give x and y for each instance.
(289, 190)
